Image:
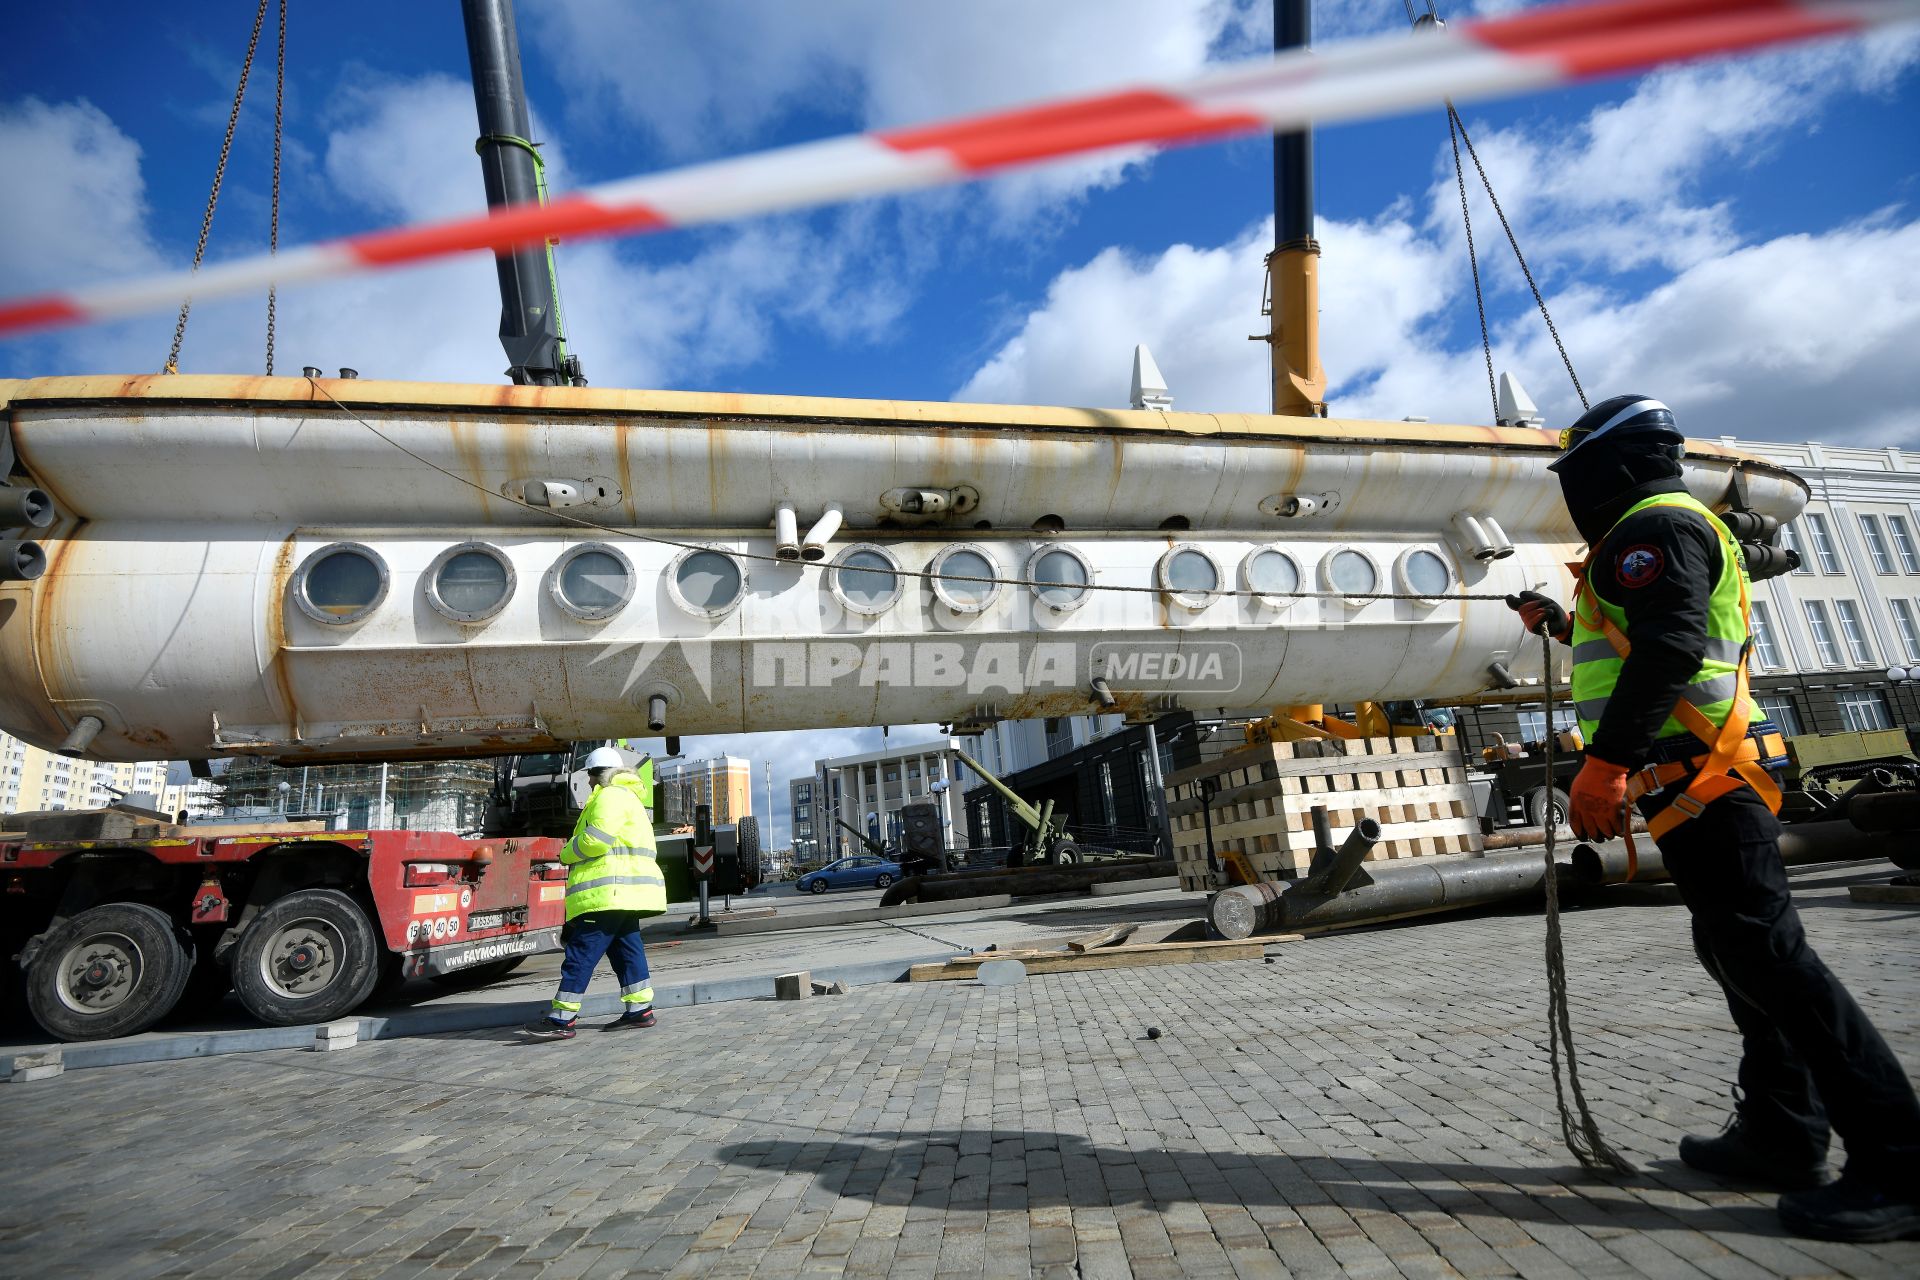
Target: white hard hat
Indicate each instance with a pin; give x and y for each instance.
(605, 758)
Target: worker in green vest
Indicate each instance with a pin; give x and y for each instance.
(1660, 633)
(613, 883)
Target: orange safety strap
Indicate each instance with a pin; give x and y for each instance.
(1731, 760)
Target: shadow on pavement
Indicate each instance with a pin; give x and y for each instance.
(957, 1169)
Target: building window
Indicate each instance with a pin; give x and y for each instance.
(1763, 646)
(802, 812)
(1856, 634)
(1903, 543)
(1779, 708)
(1822, 633)
(1876, 544)
(1864, 709)
(1790, 540)
(1909, 634)
(1533, 723)
(1106, 793)
(1059, 736)
(1823, 543)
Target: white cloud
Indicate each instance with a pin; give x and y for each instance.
(76, 208)
(1797, 336)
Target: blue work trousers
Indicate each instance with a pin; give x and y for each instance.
(616, 935)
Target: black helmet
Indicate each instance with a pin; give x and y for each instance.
(1634, 420)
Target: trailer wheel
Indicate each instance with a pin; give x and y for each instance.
(112, 970)
(478, 975)
(1537, 807)
(309, 957)
(1066, 854)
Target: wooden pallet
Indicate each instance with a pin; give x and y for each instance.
(1134, 956)
(1261, 812)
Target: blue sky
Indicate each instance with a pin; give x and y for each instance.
(1738, 238)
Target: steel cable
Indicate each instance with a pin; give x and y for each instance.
(279, 130)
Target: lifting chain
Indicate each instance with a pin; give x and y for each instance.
(219, 172)
(279, 132)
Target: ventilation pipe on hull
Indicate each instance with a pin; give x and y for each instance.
(786, 532)
(24, 508)
(1502, 544)
(657, 712)
(1481, 537)
(84, 732)
(21, 561)
(1102, 693)
(814, 546)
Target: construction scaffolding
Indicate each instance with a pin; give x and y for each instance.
(445, 795)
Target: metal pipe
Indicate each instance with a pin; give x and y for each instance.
(786, 532)
(85, 730)
(657, 712)
(814, 545)
(20, 560)
(1885, 811)
(1348, 857)
(1522, 837)
(1397, 889)
(529, 323)
(24, 507)
(1800, 845)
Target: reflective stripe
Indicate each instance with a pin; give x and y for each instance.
(585, 885)
(1601, 650)
(567, 1006)
(646, 987)
(1591, 709)
(1708, 692)
(643, 995)
(591, 830)
(1723, 651)
(1594, 650)
(575, 996)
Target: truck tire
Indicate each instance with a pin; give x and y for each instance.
(311, 956)
(112, 970)
(747, 842)
(478, 975)
(1537, 807)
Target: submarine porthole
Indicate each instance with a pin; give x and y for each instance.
(340, 583)
(1351, 573)
(866, 579)
(592, 582)
(470, 582)
(1064, 574)
(1189, 576)
(706, 582)
(1424, 573)
(965, 561)
(1272, 575)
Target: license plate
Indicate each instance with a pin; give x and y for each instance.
(480, 921)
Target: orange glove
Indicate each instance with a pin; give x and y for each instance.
(1540, 614)
(1598, 800)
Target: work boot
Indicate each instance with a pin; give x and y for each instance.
(1742, 1153)
(1859, 1207)
(628, 1021)
(543, 1029)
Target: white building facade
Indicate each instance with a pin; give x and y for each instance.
(868, 792)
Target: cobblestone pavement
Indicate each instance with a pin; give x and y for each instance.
(1374, 1104)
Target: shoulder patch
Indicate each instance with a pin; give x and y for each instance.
(1638, 565)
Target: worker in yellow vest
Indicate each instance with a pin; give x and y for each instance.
(613, 883)
(1660, 633)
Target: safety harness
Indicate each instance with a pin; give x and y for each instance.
(1733, 756)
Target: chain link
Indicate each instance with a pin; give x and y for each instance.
(213, 196)
(1473, 258)
(279, 131)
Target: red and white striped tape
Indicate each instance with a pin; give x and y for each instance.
(1351, 80)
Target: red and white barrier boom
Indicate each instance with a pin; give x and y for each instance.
(1352, 80)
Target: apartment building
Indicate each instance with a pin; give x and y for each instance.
(868, 791)
(725, 783)
(806, 838)
(33, 780)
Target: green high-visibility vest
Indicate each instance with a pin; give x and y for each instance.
(610, 859)
(1596, 663)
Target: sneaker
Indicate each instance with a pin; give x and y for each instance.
(547, 1029)
(1739, 1153)
(625, 1021)
(1857, 1208)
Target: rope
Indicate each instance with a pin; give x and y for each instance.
(929, 937)
(1578, 1128)
(213, 196)
(1454, 129)
(279, 129)
(927, 575)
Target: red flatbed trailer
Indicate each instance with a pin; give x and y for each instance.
(108, 936)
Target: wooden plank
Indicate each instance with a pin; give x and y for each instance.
(1101, 938)
(1904, 894)
(1136, 956)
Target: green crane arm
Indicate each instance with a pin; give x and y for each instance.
(873, 847)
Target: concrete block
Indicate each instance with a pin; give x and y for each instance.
(331, 1036)
(793, 986)
(1113, 888)
(41, 1064)
(829, 988)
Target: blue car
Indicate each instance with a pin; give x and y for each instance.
(850, 873)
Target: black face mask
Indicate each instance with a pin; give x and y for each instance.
(1599, 482)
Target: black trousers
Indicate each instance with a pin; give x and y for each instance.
(1810, 1059)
